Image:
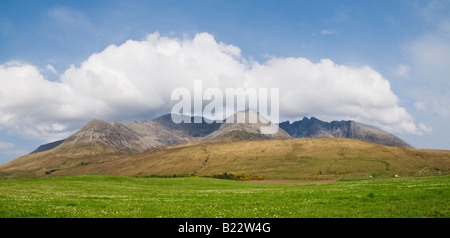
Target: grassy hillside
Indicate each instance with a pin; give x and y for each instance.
(304, 159)
(60, 158)
(110, 196)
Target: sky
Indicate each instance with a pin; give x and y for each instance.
(62, 63)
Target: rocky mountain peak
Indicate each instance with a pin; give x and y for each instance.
(248, 125)
(315, 128)
(162, 131)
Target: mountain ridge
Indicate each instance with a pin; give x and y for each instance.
(48, 146)
(315, 128)
(162, 147)
(162, 131)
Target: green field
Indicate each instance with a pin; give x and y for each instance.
(112, 196)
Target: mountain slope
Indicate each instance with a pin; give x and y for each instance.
(243, 129)
(192, 130)
(315, 128)
(47, 146)
(66, 155)
(308, 159)
(141, 136)
(113, 134)
(162, 131)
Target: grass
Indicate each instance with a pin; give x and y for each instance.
(114, 196)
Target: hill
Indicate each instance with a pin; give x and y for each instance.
(309, 159)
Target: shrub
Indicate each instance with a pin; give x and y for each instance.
(50, 171)
(230, 176)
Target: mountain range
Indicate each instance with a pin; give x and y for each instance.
(162, 131)
(162, 147)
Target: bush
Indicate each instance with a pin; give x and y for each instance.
(50, 171)
(230, 176)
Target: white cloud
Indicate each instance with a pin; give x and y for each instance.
(331, 91)
(433, 10)
(428, 55)
(327, 32)
(5, 145)
(9, 149)
(425, 128)
(402, 71)
(420, 106)
(50, 68)
(28, 101)
(136, 79)
(435, 103)
(68, 17)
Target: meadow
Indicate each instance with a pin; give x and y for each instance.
(196, 197)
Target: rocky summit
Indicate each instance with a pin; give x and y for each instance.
(315, 128)
(162, 131)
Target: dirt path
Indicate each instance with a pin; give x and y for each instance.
(205, 149)
(291, 181)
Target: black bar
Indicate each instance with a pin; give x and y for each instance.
(227, 227)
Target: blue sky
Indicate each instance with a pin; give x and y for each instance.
(405, 42)
(347, 31)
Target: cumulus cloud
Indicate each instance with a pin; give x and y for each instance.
(29, 104)
(135, 80)
(327, 90)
